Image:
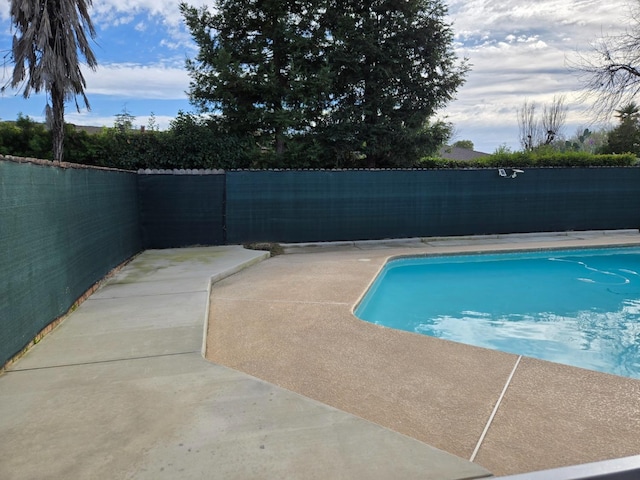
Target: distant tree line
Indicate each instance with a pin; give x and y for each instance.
(540, 132)
(195, 143)
(190, 142)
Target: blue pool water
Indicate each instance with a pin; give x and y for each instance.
(576, 307)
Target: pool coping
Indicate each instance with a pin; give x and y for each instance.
(496, 445)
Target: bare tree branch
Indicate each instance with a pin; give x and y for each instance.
(535, 132)
(554, 117)
(610, 73)
(528, 125)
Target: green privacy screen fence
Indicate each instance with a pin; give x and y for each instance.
(304, 206)
(181, 210)
(61, 230)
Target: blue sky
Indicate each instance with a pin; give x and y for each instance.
(518, 51)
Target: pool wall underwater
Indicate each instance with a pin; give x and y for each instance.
(576, 307)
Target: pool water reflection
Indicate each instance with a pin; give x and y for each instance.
(576, 307)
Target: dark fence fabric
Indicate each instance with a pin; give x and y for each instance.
(181, 210)
(61, 230)
(302, 206)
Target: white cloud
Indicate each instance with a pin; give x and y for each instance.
(519, 50)
(84, 118)
(171, 45)
(519, 15)
(114, 13)
(108, 12)
(160, 81)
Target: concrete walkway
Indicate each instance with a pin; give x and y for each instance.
(120, 390)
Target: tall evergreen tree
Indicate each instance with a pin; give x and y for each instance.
(362, 78)
(259, 65)
(393, 67)
(50, 35)
(625, 138)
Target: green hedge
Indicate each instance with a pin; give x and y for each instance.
(200, 143)
(535, 159)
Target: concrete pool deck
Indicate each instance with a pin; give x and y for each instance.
(120, 390)
(289, 321)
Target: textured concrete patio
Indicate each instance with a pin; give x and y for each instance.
(289, 321)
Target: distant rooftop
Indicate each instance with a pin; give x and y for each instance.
(457, 153)
(89, 129)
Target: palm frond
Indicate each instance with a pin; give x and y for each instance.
(49, 40)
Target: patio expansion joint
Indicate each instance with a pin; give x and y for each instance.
(300, 302)
(98, 362)
(116, 297)
(495, 410)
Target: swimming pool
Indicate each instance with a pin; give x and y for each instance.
(576, 307)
